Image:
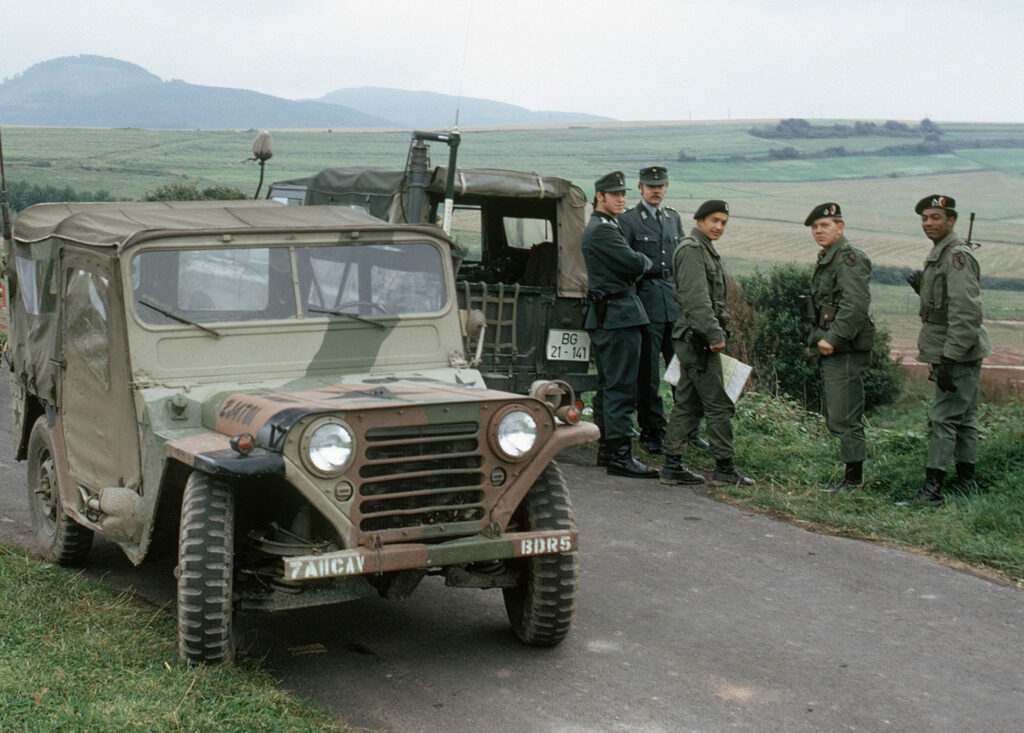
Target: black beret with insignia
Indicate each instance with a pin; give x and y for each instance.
(829, 210)
(654, 175)
(714, 206)
(936, 201)
(611, 182)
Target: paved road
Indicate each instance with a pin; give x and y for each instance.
(693, 616)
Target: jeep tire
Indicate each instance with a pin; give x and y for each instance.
(205, 571)
(542, 604)
(60, 538)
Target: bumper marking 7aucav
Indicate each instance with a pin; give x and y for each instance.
(407, 556)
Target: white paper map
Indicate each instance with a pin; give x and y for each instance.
(734, 375)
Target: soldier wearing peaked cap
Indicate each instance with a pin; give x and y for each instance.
(841, 335)
(615, 320)
(954, 342)
(654, 229)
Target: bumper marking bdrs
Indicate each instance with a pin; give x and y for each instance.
(413, 555)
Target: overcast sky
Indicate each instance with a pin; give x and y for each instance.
(638, 60)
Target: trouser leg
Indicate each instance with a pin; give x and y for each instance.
(700, 393)
(618, 350)
(650, 411)
(953, 420)
(843, 397)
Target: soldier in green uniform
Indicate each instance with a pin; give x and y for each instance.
(699, 338)
(616, 321)
(954, 342)
(841, 336)
(654, 230)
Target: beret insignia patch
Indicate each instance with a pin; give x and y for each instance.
(959, 260)
(850, 258)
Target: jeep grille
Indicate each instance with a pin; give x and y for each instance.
(422, 475)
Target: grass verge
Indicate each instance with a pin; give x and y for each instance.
(789, 451)
(76, 655)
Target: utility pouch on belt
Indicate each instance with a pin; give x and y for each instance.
(865, 338)
(826, 314)
(807, 312)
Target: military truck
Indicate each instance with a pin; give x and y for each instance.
(520, 257)
(285, 394)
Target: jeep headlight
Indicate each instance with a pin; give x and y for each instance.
(330, 447)
(517, 434)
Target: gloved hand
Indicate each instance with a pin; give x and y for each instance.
(944, 375)
(914, 279)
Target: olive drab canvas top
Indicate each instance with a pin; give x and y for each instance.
(950, 292)
(658, 240)
(614, 268)
(700, 289)
(840, 285)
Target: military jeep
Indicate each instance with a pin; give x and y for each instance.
(285, 395)
(520, 259)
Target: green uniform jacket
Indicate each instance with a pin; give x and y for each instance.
(700, 289)
(614, 268)
(840, 280)
(658, 243)
(951, 305)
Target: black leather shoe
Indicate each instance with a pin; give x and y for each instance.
(964, 483)
(726, 474)
(622, 463)
(674, 472)
(655, 444)
(931, 494)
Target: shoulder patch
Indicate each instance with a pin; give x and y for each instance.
(959, 260)
(850, 258)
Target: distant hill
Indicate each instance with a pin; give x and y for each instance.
(429, 109)
(95, 91)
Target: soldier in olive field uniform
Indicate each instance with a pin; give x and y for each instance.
(954, 342)
(699, 338)
(654, 230)
(616, 321)
(842, 335)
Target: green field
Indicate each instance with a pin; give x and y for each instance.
(769, 198)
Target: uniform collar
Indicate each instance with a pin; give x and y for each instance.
(650, 210)
(939, 247)
(702, 238)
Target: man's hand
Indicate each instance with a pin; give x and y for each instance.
(715, 348)
(825, 348)
(943, 373)
(914, 280)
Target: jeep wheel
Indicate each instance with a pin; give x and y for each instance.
(59, 538)
(542, 603)
(205, 570)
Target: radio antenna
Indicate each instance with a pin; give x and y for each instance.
(462, 71)
(5, 210)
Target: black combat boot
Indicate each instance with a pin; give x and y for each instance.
(602, 453)
(726, 474)
(622, 463)
(931, 493)
(654, 442)
(696, 441)
(964, 482)
(853, 479)
(674, 472)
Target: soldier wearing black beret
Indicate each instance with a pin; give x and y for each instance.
(841, 336)
(954, 342)
(654, 229)
(616, 321)
(699, 338)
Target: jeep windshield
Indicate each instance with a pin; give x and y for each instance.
(224, 284)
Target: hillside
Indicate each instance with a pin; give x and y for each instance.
(95, 91)
(429, 109)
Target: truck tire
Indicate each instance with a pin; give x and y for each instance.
(542, 604)
(205, 571)
(59, 538)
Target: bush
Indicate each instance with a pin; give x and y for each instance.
(21, 195)
(769, 332)
(191, 192)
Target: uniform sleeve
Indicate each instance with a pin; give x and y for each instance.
(692, 293)
(964, 313)
(854, 299)
(616, 256)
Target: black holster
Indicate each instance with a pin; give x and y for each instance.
(700, 348)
